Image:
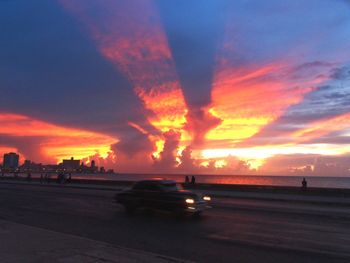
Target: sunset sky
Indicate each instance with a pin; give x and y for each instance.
(178, 86)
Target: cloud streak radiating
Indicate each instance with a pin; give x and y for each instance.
(138, 49)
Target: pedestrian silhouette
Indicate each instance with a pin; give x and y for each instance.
(187, 180)
(193, 180)
(69, 178)
(59, 178)
(29, 177)
(41, 178)
(304, 184)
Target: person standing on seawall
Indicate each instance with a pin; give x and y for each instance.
(193, 180)
(304, 184)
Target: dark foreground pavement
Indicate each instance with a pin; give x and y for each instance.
(22, 243)
(235, 230)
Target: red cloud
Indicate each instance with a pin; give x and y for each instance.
(50, 141)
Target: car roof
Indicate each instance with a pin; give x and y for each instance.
(156, 181)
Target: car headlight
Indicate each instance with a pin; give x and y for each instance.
(189, 201)
(206, 198)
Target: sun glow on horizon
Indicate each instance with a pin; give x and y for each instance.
(258, 155)
(55, 141)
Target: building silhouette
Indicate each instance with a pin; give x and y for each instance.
(28, 165)
(11, 164)
(71, 164)
(10, 161)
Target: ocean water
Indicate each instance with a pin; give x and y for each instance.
(313, 181)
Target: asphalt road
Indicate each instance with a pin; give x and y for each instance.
(234, 230)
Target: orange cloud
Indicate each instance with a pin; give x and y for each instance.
(244, 99)
(54, 142)
(5, 149)
(139, 49)
(247, 99)
(321, 128)
(298, 142)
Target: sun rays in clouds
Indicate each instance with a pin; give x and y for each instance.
(130, 35)
(267, 95)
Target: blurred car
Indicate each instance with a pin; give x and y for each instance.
(162, 195)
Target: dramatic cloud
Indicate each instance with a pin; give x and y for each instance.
(156, 86)
(167, 157)
(321, 113)
(139, 49)
(240, 95)
(194, 30)
(41, 141)
(341, 73)
(308, 165)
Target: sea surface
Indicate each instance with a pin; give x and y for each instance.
(313, 181)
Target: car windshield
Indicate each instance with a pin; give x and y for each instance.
(171, 187)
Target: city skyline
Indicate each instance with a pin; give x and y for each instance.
(211, 87)
(11, 164)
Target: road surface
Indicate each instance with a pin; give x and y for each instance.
(234, 230)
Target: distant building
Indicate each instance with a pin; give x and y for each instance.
(11, 161)
(27, 164)
(71, 164)
(31, 166)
